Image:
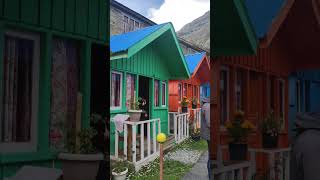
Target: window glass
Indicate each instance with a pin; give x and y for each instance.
(20, 90)
(156, 93)
(238, 89)
(164, 93)
(131, 90)
(65, 75)
(116, 86)
(298, 96)
(131, 25)
(180, 91)
(185, 89)
(223, 96)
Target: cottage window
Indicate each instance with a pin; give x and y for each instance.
(238, 89)
(131, 25)
(156, 93)
(136, 25)
(65, 85)
(19, 100)
(180, 91)
(185, 90)
(116, 90)
(298, 96)
(282, 101)
(131, 90)
(306, 96)
(224, 89)
(125, 24)
(195, 91)
(164, 94)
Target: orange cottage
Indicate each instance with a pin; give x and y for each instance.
(199, 68)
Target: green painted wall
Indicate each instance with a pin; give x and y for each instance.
(86, 21)
(86, 18)
(149, 63)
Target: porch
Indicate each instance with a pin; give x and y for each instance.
(277, 165)
(137, 143)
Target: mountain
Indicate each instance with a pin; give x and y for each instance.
(197, 32)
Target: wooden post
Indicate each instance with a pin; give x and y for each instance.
(78, 119)
(161, 138)
(161, 161)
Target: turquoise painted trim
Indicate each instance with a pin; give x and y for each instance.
(27, 157)
(44, 92)
(85, 83)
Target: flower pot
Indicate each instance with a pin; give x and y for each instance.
(134, 115)
(120, 176)
(269, 141)
(194, 106)
(238, 152)
(195, 137)
(184, 109)
(80, 166)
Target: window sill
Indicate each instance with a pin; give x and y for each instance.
(160, 108)
(118, 111)
(7, 158)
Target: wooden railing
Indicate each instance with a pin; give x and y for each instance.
(196, 117)
(279, 160)
(139, 148)
(278, 169)
(231, 170)
(180, 127)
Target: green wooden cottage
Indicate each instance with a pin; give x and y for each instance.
(49, 52)
(142, 63)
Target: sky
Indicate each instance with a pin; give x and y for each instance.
(179, 12)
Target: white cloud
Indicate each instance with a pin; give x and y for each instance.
(179, 12)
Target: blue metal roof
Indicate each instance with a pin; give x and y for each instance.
(193, 60)
(123, 42)
(262, 13)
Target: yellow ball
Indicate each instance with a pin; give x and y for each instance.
(161, 138)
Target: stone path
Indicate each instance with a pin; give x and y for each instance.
(199, 170)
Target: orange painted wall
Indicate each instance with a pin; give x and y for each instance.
(174, 92)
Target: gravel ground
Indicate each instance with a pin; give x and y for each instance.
(185, 156)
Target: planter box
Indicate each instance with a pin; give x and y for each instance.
(238, 152)
(80, 166)
(134, 115)
(269, 142)
(184, 109)
(120, 176)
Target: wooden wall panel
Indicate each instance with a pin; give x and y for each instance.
(70, 6)
(11, 9)
(86, 18)
(58, 15)
(29, 11)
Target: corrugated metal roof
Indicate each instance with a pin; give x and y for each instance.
(193, 60)
(123, 42)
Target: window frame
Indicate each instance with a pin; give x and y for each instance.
(164, 94)
(298, 95)
(113, 108)
(154, 94)
(283, 105)
(30, 146)
(180, 92)
(227, 91)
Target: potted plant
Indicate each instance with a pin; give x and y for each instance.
(195, 103)
(81, 161)
(120, 170)
(270, 128)
(184, 104)
(195, 134)
(238, 131)
(135, 109)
